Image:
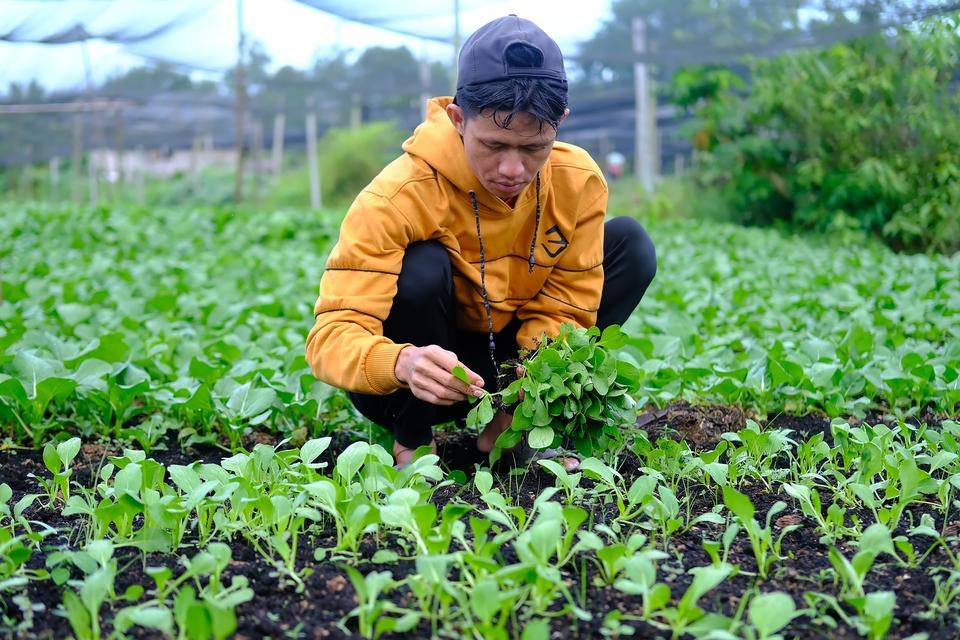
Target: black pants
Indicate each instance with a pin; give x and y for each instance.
(423, 314)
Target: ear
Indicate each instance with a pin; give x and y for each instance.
(566, 112)
(455, 113)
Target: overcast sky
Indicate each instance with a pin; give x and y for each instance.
(292, 33)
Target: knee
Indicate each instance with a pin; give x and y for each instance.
(426, 274)
(634, 246)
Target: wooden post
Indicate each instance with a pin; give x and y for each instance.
(195, 166)
(456, 46)
(424, 86)
(118, 144)
(356, 111)
(93, 191)
(25, 188)
(77, 160)
(257, 158)
(240, 107)
(55, 177)
(279, 123)
(316, 200)
(138, 181)
(642, 156)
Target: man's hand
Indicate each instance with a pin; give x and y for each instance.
(428, 373)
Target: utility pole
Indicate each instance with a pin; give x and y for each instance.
(456, 44)
(279, 122)
(240, 106)
(313, 167)
(424, 85)
(643, 148)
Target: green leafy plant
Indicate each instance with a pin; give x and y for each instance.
(769, 613)
(574, 389)
(371, 611)
(57, 459)
(766, 547)
(83, 606)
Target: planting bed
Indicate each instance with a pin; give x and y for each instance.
(169, 467)
(316, 607)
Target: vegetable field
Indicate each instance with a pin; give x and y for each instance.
(170, 467)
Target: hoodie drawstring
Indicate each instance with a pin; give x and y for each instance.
(536, 228)
(492, 345)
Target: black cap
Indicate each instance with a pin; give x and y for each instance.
(483, 57)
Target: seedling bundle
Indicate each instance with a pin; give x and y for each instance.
(575, 391)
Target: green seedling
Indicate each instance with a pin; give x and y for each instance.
(755, 452)
(612, 559)
(713, 548)
(832, 525)
(198, 610)
(491, 606)
(640, 578)
(569, 482)
(17, 544)
(766, 548)
(687, 617)
(874, 612)
(769, 613)
(512, 518)
(875, 540)
(83, 606)
(38, 383)
(57, 459)
(946, 595)
(441, 599)
(371, 610)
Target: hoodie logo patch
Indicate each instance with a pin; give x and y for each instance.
(559, 242)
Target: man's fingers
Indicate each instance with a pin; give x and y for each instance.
(431, 377)
(446, 361)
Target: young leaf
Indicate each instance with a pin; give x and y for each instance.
(540, 437)
(738, 504)
(770, 612)
(460, 374)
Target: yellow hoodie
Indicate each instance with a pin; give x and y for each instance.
(423, 195)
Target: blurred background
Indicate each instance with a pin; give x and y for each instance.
(834, 116)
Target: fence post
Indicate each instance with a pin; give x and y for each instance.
(643, 148)
(279, 123)
(316, 199)
(54, 177)
(257, 159)
(77, 159)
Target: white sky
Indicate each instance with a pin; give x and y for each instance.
(292, 34)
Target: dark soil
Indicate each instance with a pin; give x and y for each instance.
(279, 610)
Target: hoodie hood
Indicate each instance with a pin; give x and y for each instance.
(437, 142)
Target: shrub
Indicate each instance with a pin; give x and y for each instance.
(858, 137)
(349, 160)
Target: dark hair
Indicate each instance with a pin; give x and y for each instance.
(542, 98)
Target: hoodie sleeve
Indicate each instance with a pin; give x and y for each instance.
(346, 347)
(571, 293)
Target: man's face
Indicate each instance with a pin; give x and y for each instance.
(505, 161)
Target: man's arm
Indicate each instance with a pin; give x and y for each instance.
(346, 347)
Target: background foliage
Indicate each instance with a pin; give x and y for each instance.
(858, 137)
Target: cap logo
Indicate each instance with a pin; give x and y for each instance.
(516, 52)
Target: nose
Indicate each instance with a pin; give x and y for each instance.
(511, 167)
